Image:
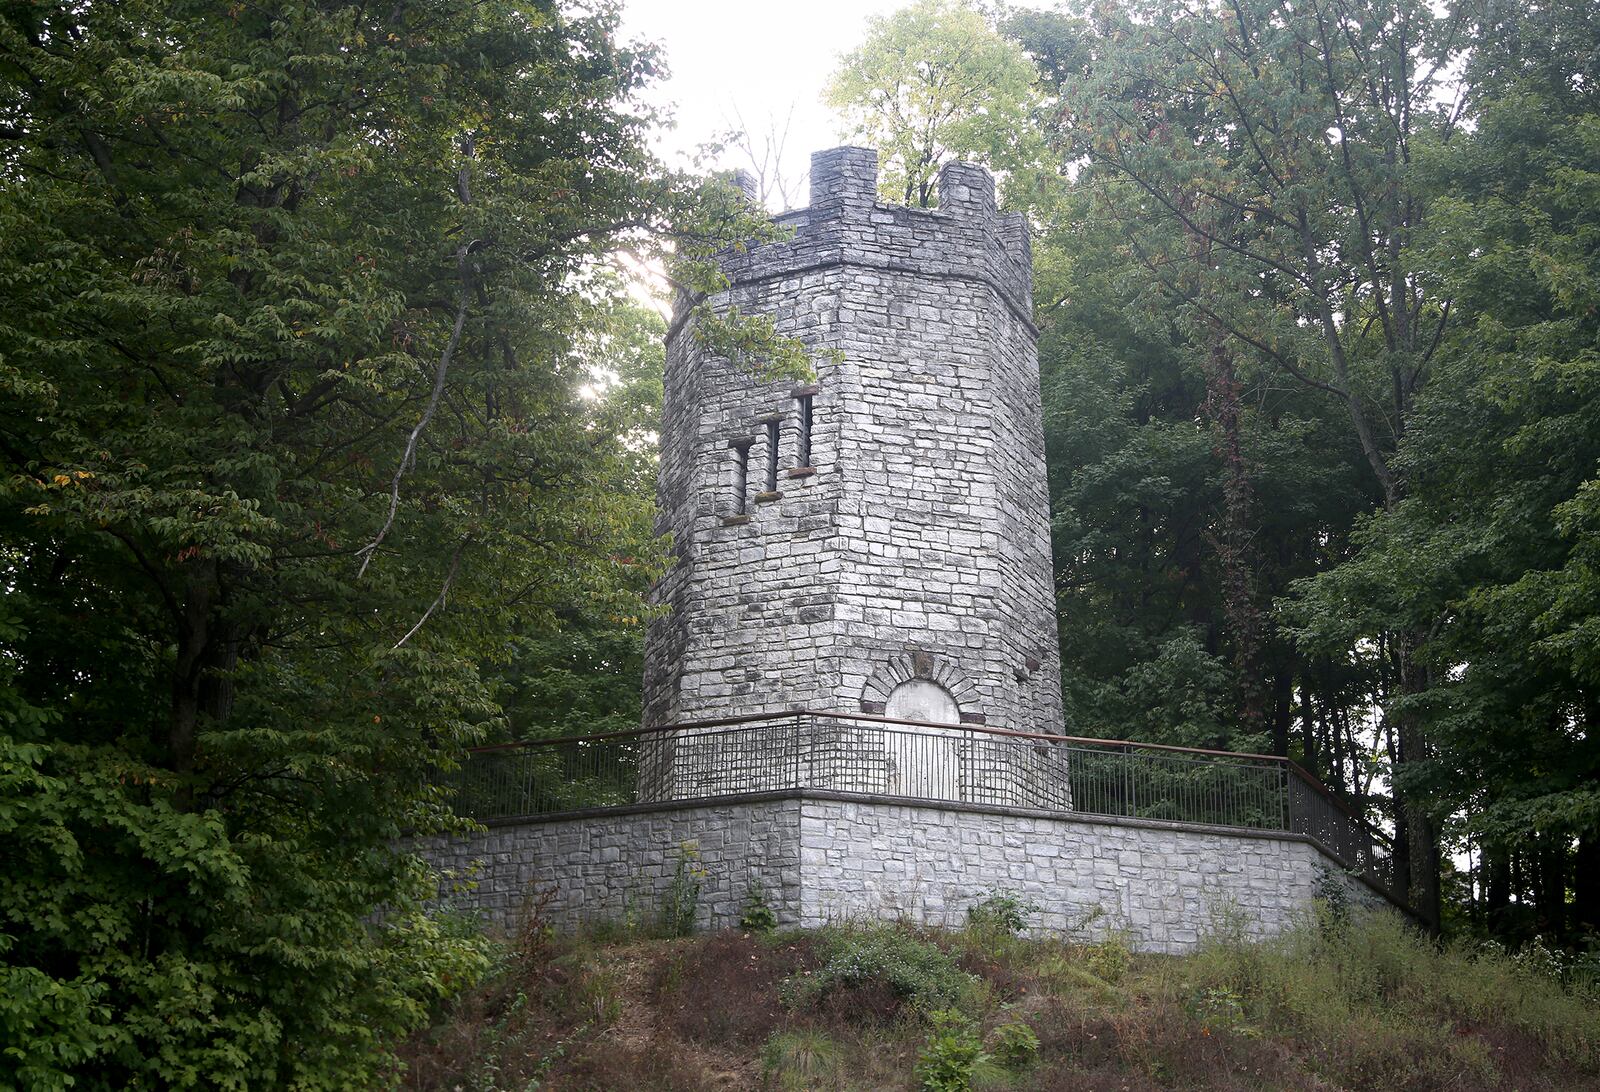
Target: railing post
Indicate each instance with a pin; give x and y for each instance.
(1133, 781)
(809, 781)
(798, 742)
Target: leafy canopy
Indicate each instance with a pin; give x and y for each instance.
(934, 82)
(297, 305)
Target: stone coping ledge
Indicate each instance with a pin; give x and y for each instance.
(840, 796)
(836, 796)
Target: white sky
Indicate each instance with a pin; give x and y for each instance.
(756, 59)
(761, 60)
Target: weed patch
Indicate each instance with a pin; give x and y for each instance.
(802, 1061)
(871, 971)
(725, 989)
(1369, 1005)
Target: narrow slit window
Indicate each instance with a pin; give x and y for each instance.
(772, 456)
(741, 476)
(803, 454)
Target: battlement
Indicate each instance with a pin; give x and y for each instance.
(845, 179)
(965, 237)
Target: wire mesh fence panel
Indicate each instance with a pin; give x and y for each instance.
(733, 761)
(536, 780)
(1177, 787)
(924, 764)
(1364, 851)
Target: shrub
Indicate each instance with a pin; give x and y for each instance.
(953, 1055)
(682, 899)
(1332, 893)
(756, 915)
(1216, 1007)
(1000, 912)
(1015, 1045)
(950, 1055)
(908, 968)
(1109, 959)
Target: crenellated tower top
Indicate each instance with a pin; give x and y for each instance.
(964, 236)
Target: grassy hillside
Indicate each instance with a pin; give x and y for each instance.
(1338, 1005)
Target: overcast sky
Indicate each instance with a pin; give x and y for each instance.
(752, 58)
(745, 57)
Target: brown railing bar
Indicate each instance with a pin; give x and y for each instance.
(749, 718)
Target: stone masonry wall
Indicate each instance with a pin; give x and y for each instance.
(917, 532)
(1163, 886)
(606, 867)
(822, 859)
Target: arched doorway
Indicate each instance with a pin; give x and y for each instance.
(924, 762)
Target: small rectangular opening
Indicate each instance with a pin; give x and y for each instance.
(772, 456)
(803, 452)
(741, 476)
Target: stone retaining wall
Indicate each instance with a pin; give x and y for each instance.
(826, 857)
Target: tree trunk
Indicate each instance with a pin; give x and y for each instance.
(1415, 826)
(194, 632)
(1496, 888)
(1586, 883)
(1231, 541)
(1282, 711)
(1308, 729)
(202, 677)
(1553, 884)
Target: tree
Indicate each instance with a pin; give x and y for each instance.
(1260, 158)
(761, 154)
(292, 452)
(1492, 550)
(935, 82)
(582, 676)
(1137, 492)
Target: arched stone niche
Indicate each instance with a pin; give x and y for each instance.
(925, 667)
(922, 699)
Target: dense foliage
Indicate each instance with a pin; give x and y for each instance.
(1320, 336)
(1316, 286)
(325, 451)
(298, 309)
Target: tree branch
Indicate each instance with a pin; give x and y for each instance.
(444, 592)
(366, 552)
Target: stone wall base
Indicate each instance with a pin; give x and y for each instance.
(824, 857)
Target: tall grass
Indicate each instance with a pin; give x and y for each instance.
(1355, 1004)
(1376, 1004)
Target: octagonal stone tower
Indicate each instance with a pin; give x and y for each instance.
(876, 542)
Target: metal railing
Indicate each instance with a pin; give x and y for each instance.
(921, 761)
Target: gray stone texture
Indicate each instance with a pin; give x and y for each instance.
(916, 543)
(826, 858)
(621, 864)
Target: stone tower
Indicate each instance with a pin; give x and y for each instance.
(876, 542)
